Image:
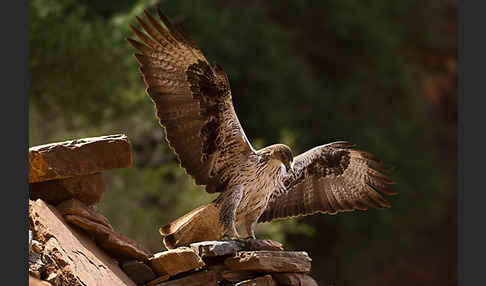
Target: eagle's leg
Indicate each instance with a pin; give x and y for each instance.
(250, 223)
(227, 215)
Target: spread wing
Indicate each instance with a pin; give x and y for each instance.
(192, 101)
(329, 179)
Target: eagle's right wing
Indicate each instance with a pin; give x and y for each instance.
(193, 103)
(329, 179)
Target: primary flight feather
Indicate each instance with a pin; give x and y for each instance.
(193, 103)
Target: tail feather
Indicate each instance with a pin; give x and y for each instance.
(198, 225)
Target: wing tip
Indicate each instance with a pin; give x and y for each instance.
(141, 47)
(380, 177)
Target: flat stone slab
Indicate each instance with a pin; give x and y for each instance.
(87, 188)
(202, 278)
(217, 248)
(138, 271)
(78, 157)
(98, 230)
(78, 208)
(70, 257)
(262, 244)
(175, 261)
(294, 279)
(266, 280)
(117, 245)
(231, 247)
(270, 261)
(122, 247)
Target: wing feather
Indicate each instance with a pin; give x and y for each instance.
(192, 102)
(331, 178)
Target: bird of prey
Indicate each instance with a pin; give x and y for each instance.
(193, 102)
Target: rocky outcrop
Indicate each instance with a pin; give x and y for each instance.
(70, 243)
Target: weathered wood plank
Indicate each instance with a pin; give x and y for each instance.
(78, 157)
(72, 258)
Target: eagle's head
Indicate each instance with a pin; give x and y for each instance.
(282, 153)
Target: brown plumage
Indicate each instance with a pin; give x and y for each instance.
(193, 103)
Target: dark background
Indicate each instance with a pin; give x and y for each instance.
(381, 74)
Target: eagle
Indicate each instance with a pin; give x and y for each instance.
(193, 103)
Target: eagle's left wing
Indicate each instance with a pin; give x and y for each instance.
(193, 103)
(329, 179)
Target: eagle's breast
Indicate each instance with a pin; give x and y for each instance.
(258, 181)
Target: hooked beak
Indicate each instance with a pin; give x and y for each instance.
(289, 168)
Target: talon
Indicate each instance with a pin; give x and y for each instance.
(229, 237)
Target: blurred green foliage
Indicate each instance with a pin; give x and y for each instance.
(302, 72)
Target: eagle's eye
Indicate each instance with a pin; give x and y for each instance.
(289, 156)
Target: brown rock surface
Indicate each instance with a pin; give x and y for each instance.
(78, 208)
(294, 279)
(87, 188)
(158, 280)
(266, 280)
(203, 278)
(70, 257)
(262, 244)
(120, 246)
(138, 271)
(117, 245)
(78, 157)
(98, 230)
(175, 261)
(270, 261)
(236, 276)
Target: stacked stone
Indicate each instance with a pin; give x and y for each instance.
(65, 181)
(72, 169)
(236, 262)
(70, 243)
